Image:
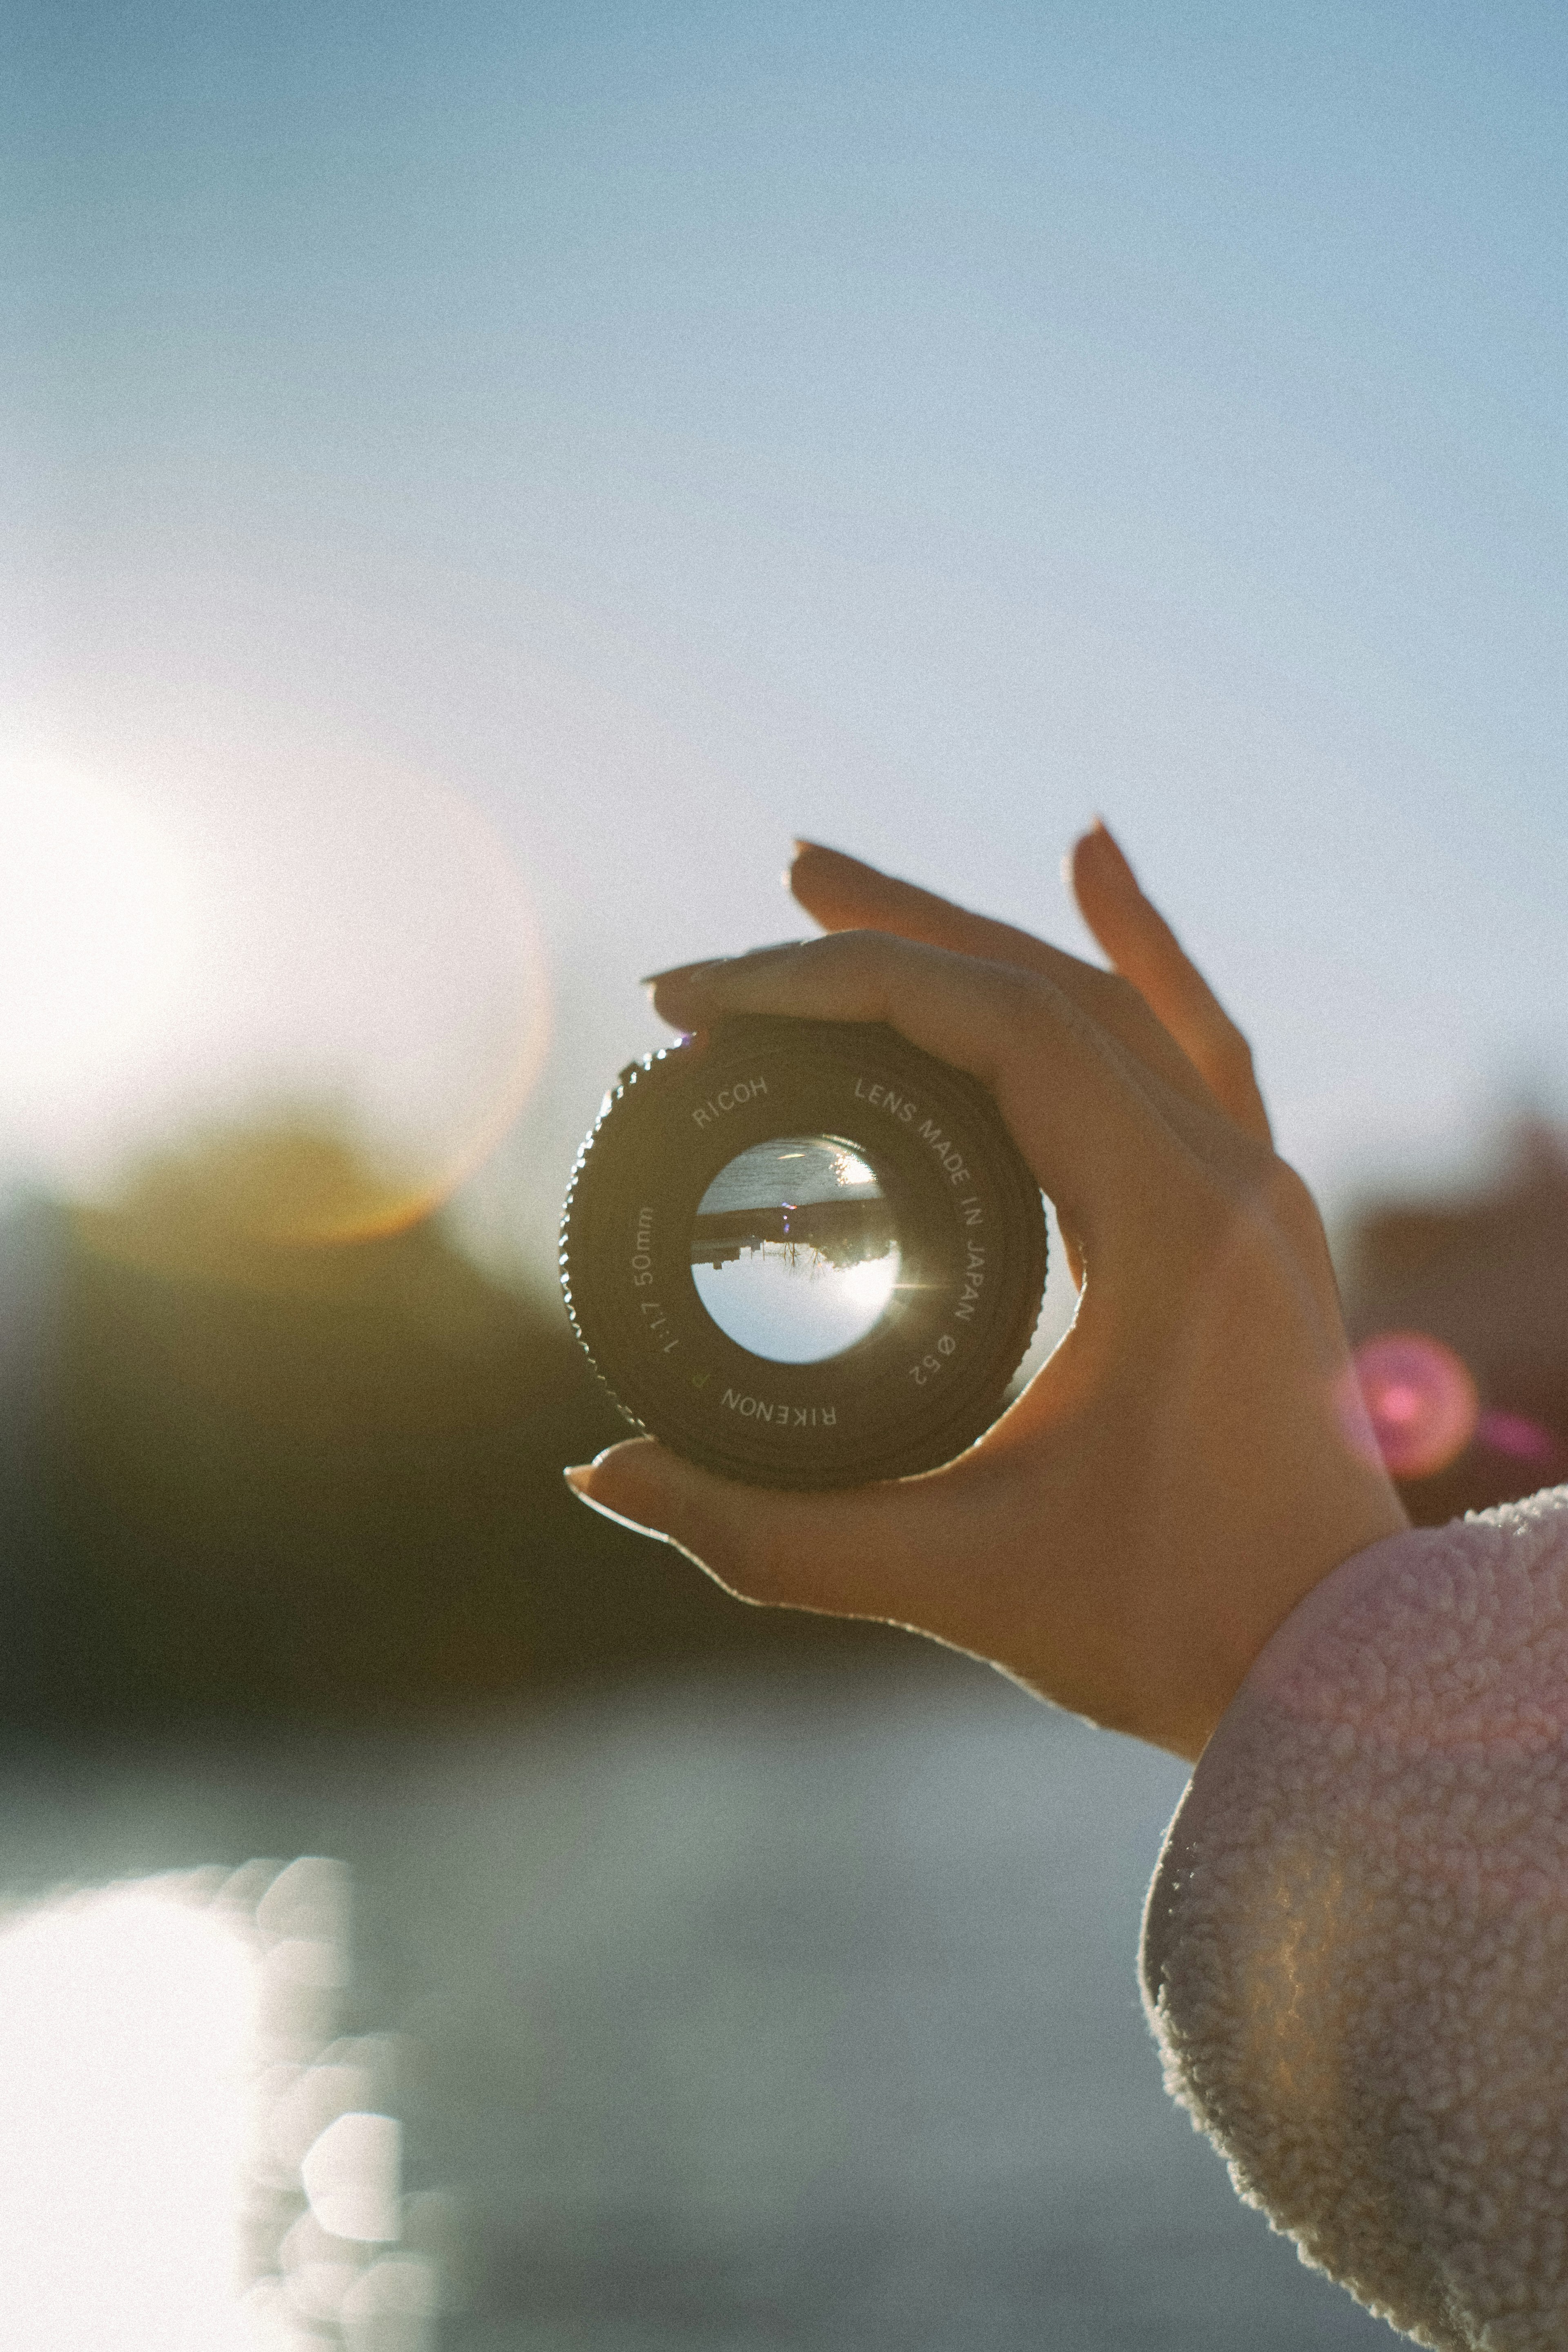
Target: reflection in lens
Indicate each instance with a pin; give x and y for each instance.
(793, 1250)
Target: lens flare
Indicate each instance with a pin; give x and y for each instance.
(285, 1001)
(1420, 1399)
(1515, 1435)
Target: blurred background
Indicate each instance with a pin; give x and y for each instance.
(477, 483)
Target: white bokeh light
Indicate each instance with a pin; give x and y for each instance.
(351, 2175)
(97, 941)
(127, 2028)
(164, 2088)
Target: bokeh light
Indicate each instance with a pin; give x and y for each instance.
(183, 2165)
(302, 1000)
(1515, 1435)
(1420, 1400)
(127, 2028)
(351, 2175)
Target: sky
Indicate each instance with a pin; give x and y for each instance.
(670, 428)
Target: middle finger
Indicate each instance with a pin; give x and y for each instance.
(843, 894)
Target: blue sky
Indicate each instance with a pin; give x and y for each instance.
(922, 426)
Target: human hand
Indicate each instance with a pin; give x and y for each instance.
(1189, 1463)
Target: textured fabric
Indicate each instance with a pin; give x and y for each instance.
(1355, 1952)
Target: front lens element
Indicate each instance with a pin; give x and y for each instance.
(793, 1249)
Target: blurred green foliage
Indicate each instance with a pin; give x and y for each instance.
(273, 1480)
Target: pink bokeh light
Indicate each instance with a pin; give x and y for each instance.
(1420, 1399)
(1514, 1433)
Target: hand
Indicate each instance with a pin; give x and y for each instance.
(1189, 1463)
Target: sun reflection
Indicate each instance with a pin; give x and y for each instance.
(127, 2020)
(185, 2167)
(1420, 1400)
(346, 954)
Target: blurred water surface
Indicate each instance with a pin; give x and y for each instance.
(796, 2013)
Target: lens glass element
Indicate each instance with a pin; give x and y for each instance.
(793, 1249)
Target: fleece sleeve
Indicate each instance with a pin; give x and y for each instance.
(1355, 1950)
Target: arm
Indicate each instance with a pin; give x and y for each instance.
(1355, 1952)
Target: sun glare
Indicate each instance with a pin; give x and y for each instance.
(96, 940)
(315, 989)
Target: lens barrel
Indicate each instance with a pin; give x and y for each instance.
(943, 1192)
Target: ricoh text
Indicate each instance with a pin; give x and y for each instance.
(744, 1090)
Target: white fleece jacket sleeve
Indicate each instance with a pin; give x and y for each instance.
(1355, 1952)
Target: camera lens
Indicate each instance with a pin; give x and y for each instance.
(803, 1254)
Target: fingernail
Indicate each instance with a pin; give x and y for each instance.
(1101, 839)
(680, 971)
(577, 1479)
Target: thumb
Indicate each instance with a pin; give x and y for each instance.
(784, 1551)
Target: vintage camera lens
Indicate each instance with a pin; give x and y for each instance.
(804, 1252)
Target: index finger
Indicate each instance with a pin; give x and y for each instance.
(1095, 1139)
